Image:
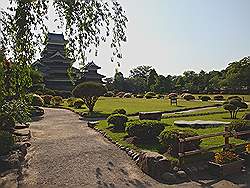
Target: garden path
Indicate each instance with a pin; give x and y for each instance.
(67, 153)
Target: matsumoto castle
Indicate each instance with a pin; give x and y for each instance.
(54, 66)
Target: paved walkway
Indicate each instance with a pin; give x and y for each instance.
(66, 153)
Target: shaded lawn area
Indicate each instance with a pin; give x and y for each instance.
(206, 143)
(106, 105)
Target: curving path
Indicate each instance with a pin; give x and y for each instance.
(66, 153)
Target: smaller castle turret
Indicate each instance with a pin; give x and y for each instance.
(90, 73)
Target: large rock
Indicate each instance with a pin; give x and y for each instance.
(154, 164)
(246, 116)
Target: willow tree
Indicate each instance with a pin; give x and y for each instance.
(85, 23)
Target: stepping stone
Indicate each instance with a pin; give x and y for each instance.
(22, 132)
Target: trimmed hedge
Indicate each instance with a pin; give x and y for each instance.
(70, 101)
(6, 142)
(127, 95)
(170, 140)
(119, 111)
(145, 129)
(139, 96)
(118, 120)
(205, 98)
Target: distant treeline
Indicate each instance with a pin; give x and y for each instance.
(234, 79)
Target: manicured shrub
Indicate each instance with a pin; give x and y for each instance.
(149, 95)
(145, 129)
(205, 98)
(47, 99)
(119, 111)
(118, 120)
(7, 123)
(56, 100)
(6, 142)
(109, 94)
(70, 101)
(36, 100)
(240, 125)
(78, 103)
(218, 97)
(188, 97)
(233, 106)
(127, 95)
(170, 140)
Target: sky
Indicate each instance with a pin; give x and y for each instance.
(174, 36)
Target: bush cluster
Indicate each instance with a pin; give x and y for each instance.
(170, 140)
(6, 142)
(118, 120)
(70, 101)
(218, 97)
(7, 123)
(139, 96)
(120, 94)
(145, 129)
(47, 99)
(36, 100)
(240, 125)
(188, 97)
(56, 100)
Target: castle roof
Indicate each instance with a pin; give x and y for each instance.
(54, 38)
(91, 66)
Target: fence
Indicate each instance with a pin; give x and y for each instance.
(226, 134)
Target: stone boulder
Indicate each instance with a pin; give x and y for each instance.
(154, 164)
(246, 116)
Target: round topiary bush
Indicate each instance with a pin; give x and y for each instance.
(6, 142)
(47, 99)
(78, 103)
(120, 94)
(127, 95)
(7, 123)
(218, 97)
(109, 94)
(172, 95)
(36, 100)
(188, 97)
(149, 95)
(119, 111)
(146, 130)
(170, 140)
(205, 98)
(56, 100)
(118, 121)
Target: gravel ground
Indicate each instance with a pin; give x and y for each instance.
(66, 153)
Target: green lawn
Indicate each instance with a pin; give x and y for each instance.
(107, 105)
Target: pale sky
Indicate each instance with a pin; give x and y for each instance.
(177, 35)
